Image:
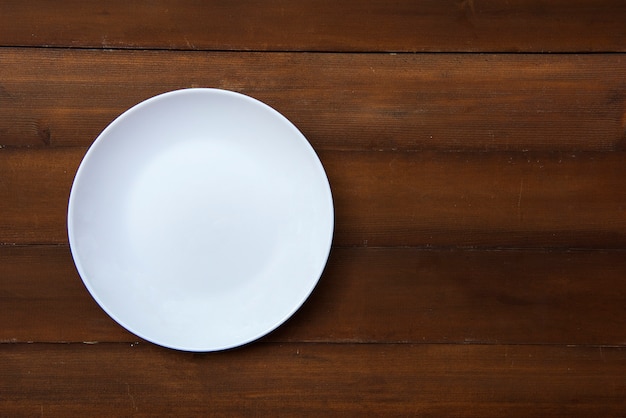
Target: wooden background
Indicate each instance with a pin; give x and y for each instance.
(477, 154)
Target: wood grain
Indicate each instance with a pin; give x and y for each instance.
(478, 262)
(313, 379)
(34, 190)
(479, 199)
(426, 199)
(42, 299)
(458, 102)
(313, 25)
(368, 296)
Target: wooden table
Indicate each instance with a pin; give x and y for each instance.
(477, 156)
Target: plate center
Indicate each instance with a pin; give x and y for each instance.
(199, 219)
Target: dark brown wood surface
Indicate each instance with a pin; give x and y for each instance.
(310, 379)
(372, 102)
(422, 296)
(478, 265)
(319, 25)
(422, 199)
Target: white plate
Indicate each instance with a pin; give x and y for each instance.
(200, 219)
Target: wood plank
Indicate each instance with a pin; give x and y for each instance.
(479, 199)
(452, 102)
(427, 199)
(313, 379)
(370, 296)
(34, 191)
(313, 25)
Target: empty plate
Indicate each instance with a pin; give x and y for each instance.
(200, 219)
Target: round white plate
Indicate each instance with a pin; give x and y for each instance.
(200, 219)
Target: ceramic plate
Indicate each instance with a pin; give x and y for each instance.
(200, 219)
